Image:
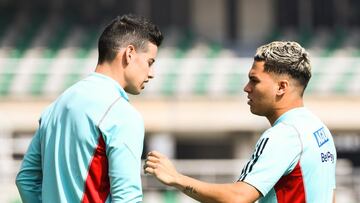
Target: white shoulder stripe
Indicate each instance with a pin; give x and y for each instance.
(107, 111)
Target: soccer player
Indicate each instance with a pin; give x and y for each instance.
(293, 161)
(89, 142)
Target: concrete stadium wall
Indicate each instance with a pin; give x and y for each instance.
(198, 115)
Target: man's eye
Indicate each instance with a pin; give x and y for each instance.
(254, 81)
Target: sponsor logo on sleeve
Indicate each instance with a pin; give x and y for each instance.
(327, 157)
(321, 137)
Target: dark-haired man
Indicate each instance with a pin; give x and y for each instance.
(89, 142)
(293, 161)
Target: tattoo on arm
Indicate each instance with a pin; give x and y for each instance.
(189, 190)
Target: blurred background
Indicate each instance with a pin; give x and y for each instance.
(195, 109)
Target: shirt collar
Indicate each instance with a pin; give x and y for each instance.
(113, 82)
(285, 115)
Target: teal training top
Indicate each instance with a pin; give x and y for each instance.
(87, 148)
(294, 161)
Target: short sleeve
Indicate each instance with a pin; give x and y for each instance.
(276, 154)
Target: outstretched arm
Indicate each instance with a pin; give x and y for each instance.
(161, 167)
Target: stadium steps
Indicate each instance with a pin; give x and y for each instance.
(5, 22)
(33, 58)
(55, 44)
(209, 51)
(354, 86)
(7, 74)
(345, 80)
(350, 77)
(305, 38)
(28, 33)
(170, 81)
(275, 35)
(69, 64)
(225, 77)
(87, 44)
(18, 44)
(57, 41)
(336, 41)
(356, 43)
(200, 69)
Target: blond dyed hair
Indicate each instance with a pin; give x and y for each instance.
(286, 57)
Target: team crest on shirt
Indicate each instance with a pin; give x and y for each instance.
(321, 137)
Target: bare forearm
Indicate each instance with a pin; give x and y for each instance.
(162, 168)
(207, 192)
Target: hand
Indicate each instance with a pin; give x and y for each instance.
(161, 167)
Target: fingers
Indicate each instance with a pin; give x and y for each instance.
(149, 170)
(156, 154)
(152, 159)
(160, 167)
(151, 163)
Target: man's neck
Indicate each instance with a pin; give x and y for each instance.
(278, 111)
(114, 73)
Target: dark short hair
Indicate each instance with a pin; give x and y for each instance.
(125, 30)
(286, 58)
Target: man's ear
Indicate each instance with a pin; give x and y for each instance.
(283, 86)
(129, 53)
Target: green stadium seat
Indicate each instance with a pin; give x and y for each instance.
(171, 78)
(71, 79)
(202, 82)
(214, 50)
(88, 43)
(24, 40)
(39, 79)
(7, 76)
(336, 42)
(345, 80)
(5, 83)
(274, 36)
(305, 38)
(169, 85)
(170, 196)
(235, 83)
(58, 39)
(184, 44)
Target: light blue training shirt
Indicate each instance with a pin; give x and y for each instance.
(294, 161)
(87, 148)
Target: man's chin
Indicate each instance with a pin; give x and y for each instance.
(133, 92)
(253, 111)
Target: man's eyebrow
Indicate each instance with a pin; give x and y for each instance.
(252, 77)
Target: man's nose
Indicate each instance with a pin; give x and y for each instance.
(247, 88)
(151, 73)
